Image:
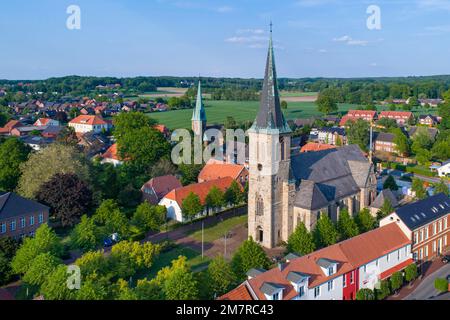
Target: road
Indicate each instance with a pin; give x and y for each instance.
(429, 179)
(426, 290)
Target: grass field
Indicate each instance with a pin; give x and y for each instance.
(218, 111)
(165, 259)
(219, 230)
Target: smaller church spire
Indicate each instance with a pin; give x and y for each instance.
(199, 113)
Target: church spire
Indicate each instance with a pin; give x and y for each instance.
(270, 115)
(199, 113)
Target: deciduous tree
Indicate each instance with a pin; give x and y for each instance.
(301, 241)
(249, 255)
(346, 226)
(325, 233)
(13, 153)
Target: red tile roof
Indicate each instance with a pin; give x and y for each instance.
(213, 171)
(90, 120)
(313, 146)
(396, 114)
(42, 122)
(112, 153)
(201, 189)
(238, 294)
(9, 126)
(350, 255)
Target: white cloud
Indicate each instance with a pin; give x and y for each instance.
(323, 51)
(252, 31)
(343, 39)
(355, 42)
(313, 3)
(224, 9)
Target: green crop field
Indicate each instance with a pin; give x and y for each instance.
(218, 111)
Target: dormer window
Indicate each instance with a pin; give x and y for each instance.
(330, 271)
(276, 296)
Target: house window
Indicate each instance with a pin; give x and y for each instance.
(376, 262)
(3, 228)
(351, 278)
(259, 206)
(301, 291)
(426, 233)
(445, 223)
(13, 225)
(434, 246)
(276, 296)
(316, 292)
(434, 228)
(421, 254)
(22, 222)
(440, 225)
(41, 218)
(31, 220)
(330, 271)
(416, 237)
(398, 255)
(426, 251)
(388, 257)
(344, 281)
(330, 285)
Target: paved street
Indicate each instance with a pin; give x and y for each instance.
(426, 290)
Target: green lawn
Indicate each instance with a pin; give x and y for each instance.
(219, 230)
(298, 94)
(165, 259)
(218, 111)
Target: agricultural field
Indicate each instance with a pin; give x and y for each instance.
(218, 111)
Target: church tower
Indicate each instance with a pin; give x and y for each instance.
(199, 114)
(269, 161)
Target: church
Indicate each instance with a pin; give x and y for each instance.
(286, 190)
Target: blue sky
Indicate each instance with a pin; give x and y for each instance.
(313, 38)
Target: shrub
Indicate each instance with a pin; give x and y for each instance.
(441, 285)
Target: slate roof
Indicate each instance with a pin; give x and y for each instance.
(255, 272)
(433, 132)
(424, 211)
(328, 175)
(385, 194)
(270, 115)
(199, 113)
(270, 288)
(296, 277)
(13, 205)
(385, 137)
(326, 263)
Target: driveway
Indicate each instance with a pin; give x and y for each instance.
(426, 290)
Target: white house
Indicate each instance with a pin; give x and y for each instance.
(444, 170)
(86, 123)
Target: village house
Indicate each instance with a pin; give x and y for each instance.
(353, 115)
(89, 123)
(312, 147)
(444, 169)
(173, 201)
(432, 132)
(336, 272)
(112, 156)
(401, 117)
(6, 130)
(428, 120)
(384, 195)
(426, 223)
(214, 171)
(157, 188)
(45, 122)
(384, 142)
(20, 217)
(334, 136)
(431, 102)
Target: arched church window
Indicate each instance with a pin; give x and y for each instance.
(259, 206)
(283, 147)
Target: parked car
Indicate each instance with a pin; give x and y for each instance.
(446, 258)
(111, 240)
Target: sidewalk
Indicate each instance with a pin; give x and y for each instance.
(429, 269)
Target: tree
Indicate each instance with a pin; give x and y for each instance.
(365, 294)
(384, 290)
(346, 226)
(43, 265)
(215, 198)
(93, 289)
(63, 160)
(441, 149)
(45, 241)
(112, 220)
(284, 105)
(86, 235)
(390, 184)
(441, 285)
(128, 257)
(189, 173)
(12, 154)
(301, 240)
(55, 285)
(5, 269)
(163, 167)
(325, 233)
(396, 281)
(123, 291)
(401, 142)
(221, 275)
(177, 281)
(8, 248)
(418, 188)
(191, 206)
(326, 102)
(441, 187)
(385, 210)
(233, 195)
(148, 217)
(94, 263)
(358, 133)
(365, 221)
(249, 255)
(68, 196)
(3, 119)
(411, 272)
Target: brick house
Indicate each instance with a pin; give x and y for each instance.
(401, 117)
(336, 272)
(20, 217)
(353, 115)
(426, 223)
(384, 142)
